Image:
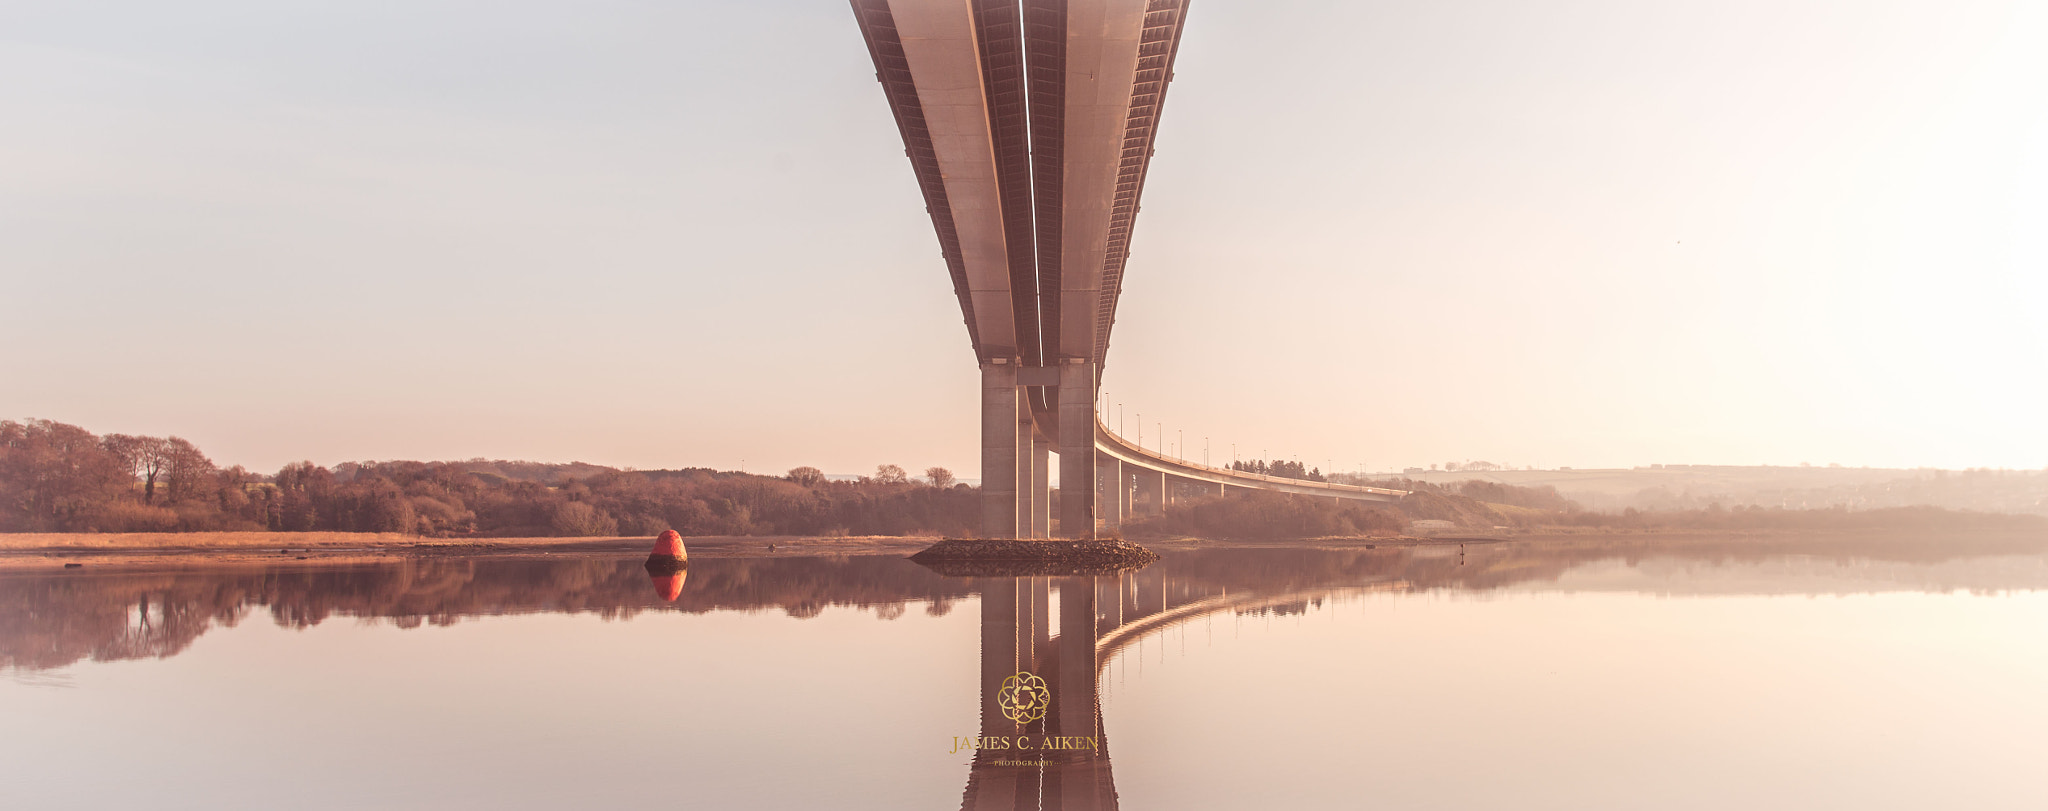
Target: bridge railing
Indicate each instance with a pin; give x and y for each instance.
(1103, 430)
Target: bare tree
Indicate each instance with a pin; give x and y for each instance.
(146, 455)
(191, 475)
(577, 519)
(890, 474)
(807, 476)
(941, 477)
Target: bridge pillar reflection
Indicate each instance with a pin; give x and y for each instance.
(1082, 778)
(992, 787)
(1000, 400)
(1016, 635)
(1041, 621)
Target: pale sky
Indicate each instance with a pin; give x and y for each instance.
(684, 234)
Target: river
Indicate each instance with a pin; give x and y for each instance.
(1597, 673)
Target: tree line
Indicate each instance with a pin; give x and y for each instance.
(1281, 468)
(1493, 508)
(62, 478)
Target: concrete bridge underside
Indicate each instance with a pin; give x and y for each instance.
(1030, 125)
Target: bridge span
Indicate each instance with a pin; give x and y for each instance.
(1132, 481)
(1030, 125)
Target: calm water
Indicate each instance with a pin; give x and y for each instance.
(1597, 675)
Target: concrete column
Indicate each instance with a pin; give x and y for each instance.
(1123, 489)
(1151, 497)
(1028, 495)
(999, 448)
(1110, 501)
(1041, 487)
(1077, 448)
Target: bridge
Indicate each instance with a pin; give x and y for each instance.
(1030, 126)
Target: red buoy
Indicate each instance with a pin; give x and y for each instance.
(668, 554)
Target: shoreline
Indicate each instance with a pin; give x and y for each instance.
(19, 551)
(42, 550)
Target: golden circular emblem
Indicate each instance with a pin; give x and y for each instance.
(1023, 697)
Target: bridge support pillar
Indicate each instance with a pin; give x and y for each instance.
(1151, 498)
(1029, 500)
(1109, 473)
(1176, 489)
(1077, 448)
(1124, 487)
(999, 409)
(1041, 485)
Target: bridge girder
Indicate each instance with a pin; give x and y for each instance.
(1030, 125)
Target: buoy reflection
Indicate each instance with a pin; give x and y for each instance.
(669, 584)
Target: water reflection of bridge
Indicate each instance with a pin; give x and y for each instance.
(1062, 761)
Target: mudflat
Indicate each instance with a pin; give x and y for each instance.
(37, 550)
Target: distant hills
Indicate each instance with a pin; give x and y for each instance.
(1689, 487)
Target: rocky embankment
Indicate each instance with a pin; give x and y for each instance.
(970, 558)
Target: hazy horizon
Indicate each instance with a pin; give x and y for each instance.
(1592, 235)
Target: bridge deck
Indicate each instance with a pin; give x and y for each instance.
(1131, 454)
